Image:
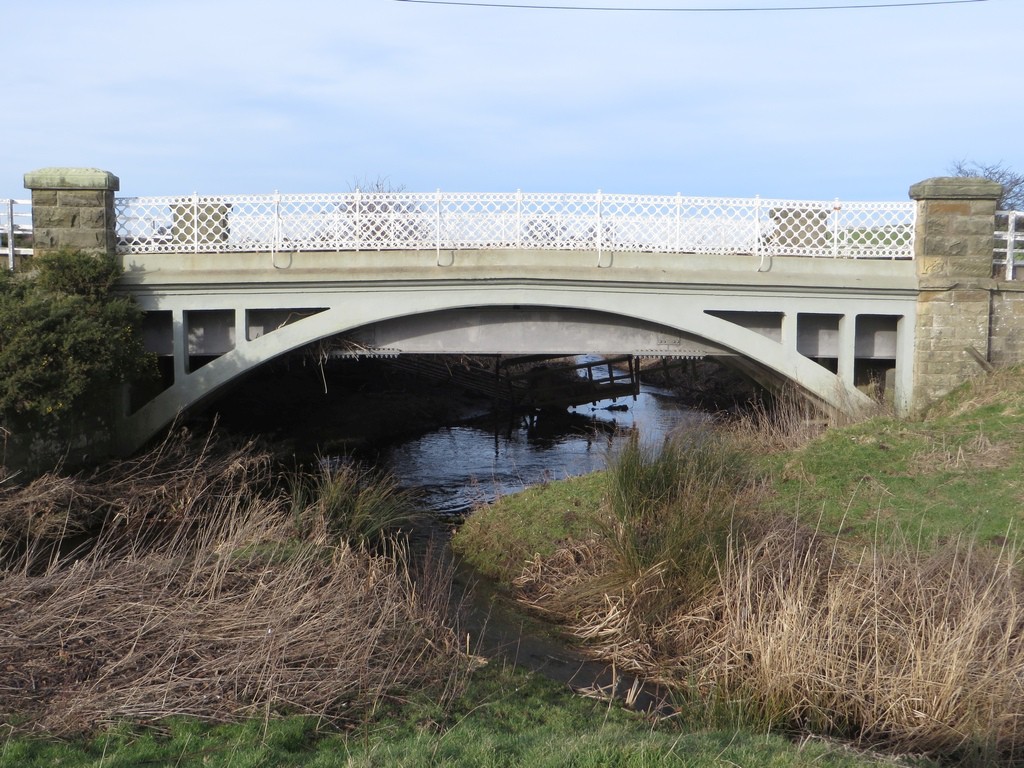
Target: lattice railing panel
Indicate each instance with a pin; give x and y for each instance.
(435, 220)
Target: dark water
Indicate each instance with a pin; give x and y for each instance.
(458, 467)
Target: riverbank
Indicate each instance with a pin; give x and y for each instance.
(212, 621)
(965, 459)
(864, 586)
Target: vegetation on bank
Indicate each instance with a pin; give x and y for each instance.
(865, 585)
(202, 588)
(222, 616)
(68, 341)
(214, 615)
(65, 337)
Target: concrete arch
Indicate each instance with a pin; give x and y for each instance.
(686, 316)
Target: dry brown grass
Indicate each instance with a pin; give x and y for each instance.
(197, 599)
(979, 452)
(184, 478)
(788, 422)
(916, 653)
(1001, 388)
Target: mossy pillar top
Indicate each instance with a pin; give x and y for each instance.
(73, 208)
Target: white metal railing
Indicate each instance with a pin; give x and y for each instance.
(447, 221)
(15, 222)
(1009, 247)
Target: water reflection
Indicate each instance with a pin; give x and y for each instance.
(459, 467)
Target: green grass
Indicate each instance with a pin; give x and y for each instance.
(498, 539)
(505, 718)
(959, 472)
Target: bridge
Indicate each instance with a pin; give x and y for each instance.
(821, 294)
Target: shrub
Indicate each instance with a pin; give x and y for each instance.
(66, 340)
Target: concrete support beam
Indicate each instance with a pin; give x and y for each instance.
(846, 353)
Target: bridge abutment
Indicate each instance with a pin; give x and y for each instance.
(953, 251)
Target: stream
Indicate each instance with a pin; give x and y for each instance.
(456, 468)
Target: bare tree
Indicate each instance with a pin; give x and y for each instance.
(380, 184)
(1013, 183)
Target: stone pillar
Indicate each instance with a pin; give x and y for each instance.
(953, 249)
(73, 208)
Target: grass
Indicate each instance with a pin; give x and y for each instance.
(505, 717)
(218, 606)
(500, 540)
(959, 472)
(350, 503)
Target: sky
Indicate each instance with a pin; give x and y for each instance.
(320, 96)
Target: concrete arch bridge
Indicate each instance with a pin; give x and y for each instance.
(813, 293)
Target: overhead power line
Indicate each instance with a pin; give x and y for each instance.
(735, 9)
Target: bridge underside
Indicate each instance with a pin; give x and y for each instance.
(218, 326)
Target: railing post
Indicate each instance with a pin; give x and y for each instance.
(437, 221)
(757, 227)
(359, 223)
(1011, 236)
(519, 218)
(277, 221)
(195, 222)
(836, 208)
(679, 222)
(600, 226)
(10, 235)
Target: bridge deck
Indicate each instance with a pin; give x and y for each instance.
(245, 271)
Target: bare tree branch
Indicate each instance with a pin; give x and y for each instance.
(1013, 183)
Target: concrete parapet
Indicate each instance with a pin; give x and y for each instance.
(73, 208)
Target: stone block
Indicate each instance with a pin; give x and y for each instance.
(977, 226)
(983, 208)
(86, 239)
(44, 217)
(81, 198)
(951, 208)
(92, 218)
(956, 188)
(44, 197)
(969, 295)
(936, 225)
(944, 245)
(932, 266)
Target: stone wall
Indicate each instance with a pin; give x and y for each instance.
(73, 208)
(953, 251)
